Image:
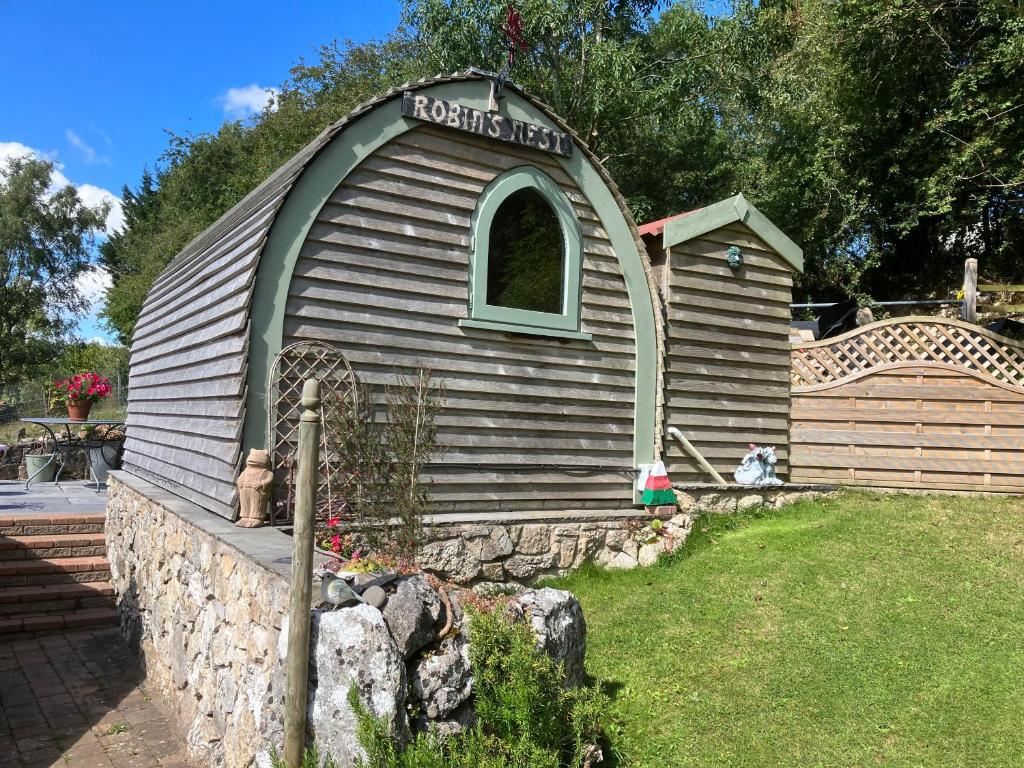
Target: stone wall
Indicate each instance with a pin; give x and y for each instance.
(204, 604)
(521, 550)
(204, 617)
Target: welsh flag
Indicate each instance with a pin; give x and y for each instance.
(658, 488)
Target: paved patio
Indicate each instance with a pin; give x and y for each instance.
(70, 497)
(77, 699)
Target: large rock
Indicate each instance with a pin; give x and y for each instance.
(442, 680)
(449, 559)
(557, 620)
(352, 646)
(412, 614)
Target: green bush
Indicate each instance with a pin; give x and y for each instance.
(525, 717)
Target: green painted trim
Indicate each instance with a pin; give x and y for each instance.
(726, 212)
(528, 330)
(509, 182)
(323, 174)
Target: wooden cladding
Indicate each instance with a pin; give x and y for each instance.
(528, 424)
(915, 403)
(727, 351)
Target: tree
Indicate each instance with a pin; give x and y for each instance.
(45, 244)
(199, 177)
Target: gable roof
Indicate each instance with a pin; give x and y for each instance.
(690, 224)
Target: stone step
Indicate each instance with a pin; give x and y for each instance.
(55, 598)
(16, 624)
(49, 546)
(58, 570)
(52, 524)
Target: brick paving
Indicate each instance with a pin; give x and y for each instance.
(76, 699)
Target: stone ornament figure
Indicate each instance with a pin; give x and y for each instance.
(254, 489)
(758, 467)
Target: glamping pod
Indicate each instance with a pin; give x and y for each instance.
(436, 227)
(423, 230)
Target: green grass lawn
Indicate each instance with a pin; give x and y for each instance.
(867, 630)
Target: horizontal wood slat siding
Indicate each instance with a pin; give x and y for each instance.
(913, 425)
(384, 277)
(186, 391)
(727, 352)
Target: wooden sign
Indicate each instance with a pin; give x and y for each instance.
(490, 124)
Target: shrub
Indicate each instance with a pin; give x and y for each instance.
(525, 717)
(379, 461)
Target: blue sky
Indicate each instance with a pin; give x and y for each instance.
(94, 86)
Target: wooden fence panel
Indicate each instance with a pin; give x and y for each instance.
(910, 403)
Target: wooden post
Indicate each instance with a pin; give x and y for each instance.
(969, 309)
(297, 664)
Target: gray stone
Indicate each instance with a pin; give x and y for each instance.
(557, 621)
(623, 561)
(534, 540)
(375, 596)
(493, 571)
(354, 648)
(496, 545)
(615, 539)
(649, 553)
(449, 558)
(528, 566)
(412, 614)
(749, 501)
(442, 680)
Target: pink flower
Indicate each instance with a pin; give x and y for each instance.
(356, 555)
(333, 522)
(335, 543)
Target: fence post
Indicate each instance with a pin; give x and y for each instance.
(969, 309)
(302, 575)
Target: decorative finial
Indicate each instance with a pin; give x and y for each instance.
(310, 400)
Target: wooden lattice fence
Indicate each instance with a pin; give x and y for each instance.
(293, 366)
(910, 403)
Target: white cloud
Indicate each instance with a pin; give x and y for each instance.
(91, 195)
(100, 341)
(93, 285)
(88, 153)
(240, 103)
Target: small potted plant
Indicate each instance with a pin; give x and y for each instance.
(40, 465)
(79, 392)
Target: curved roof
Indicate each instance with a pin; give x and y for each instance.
(189, 355)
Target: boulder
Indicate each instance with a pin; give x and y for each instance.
(352, 647)
(557, 621)
(442, 680)
(449, 559)
(412, 614)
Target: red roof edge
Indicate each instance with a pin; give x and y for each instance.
(657, 227)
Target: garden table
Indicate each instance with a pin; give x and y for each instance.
(73, 442)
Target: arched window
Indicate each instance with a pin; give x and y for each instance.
(526, 259)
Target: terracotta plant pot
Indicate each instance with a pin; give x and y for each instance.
(78, 410)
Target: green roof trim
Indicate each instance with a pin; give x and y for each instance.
(730, 210)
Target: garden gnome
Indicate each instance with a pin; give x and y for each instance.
(254, 486)
(658, 496)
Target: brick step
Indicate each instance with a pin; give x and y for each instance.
(58, 570)
(13, 625)
(55, 598)
(52, 524)
(49, 546)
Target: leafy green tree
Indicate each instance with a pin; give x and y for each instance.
(199, 177)
(45, 244)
